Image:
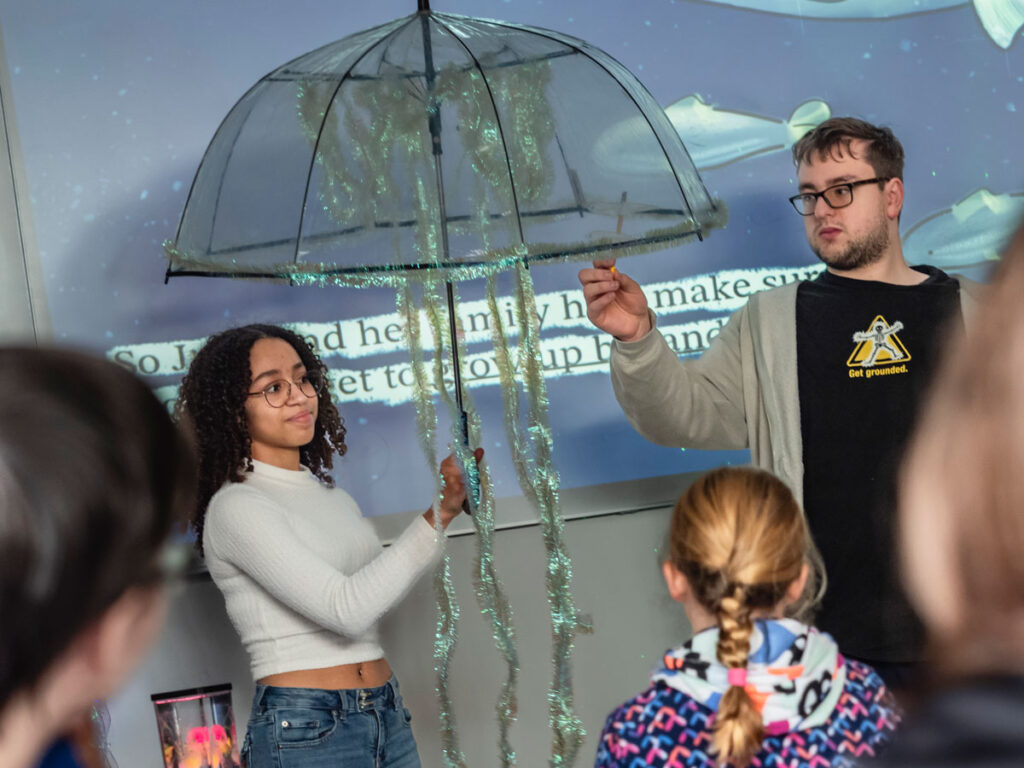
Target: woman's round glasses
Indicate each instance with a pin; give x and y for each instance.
(279, 391)
(837, 196)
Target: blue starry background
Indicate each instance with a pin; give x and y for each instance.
(116, 100)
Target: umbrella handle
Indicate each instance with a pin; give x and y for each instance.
(474, 487)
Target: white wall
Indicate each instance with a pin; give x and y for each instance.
(616, 579)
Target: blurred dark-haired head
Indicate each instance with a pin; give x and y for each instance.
(94, 479)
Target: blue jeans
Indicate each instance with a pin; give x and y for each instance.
(318, 728)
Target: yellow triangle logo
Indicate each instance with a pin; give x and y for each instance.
(878, 345)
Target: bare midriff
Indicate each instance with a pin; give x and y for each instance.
(364, 674)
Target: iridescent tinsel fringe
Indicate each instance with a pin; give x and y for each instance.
(490, 594)
(446, 632)
(538, 479)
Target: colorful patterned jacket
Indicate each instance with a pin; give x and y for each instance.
(666, 728)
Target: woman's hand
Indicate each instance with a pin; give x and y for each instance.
(454, 493)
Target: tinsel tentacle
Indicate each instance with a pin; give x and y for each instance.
(565, 621)
(487, 584)
(446, 633)
(529, 125)
(320, 123)
(518, 442)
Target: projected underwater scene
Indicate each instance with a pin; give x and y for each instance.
(112, 128)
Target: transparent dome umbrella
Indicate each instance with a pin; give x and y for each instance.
(429, 150)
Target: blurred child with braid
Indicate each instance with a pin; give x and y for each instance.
(750, 688)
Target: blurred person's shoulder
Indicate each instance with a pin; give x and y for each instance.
(974, 724)
(61, 755)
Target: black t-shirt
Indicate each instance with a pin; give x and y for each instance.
(865, 352)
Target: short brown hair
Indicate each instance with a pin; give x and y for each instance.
(832, 137)
(740, 538)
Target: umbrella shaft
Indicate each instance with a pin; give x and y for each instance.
(434, 122)
(456, 372)
(433, 110)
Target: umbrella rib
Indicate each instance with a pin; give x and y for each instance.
(418, 267)
(675, 175)
(286, 67)
(288, 75)
(220, 186)
(269, 77)
(497, 119)
(412, 222)
(320, 132)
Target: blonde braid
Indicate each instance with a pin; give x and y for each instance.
(741, 540)
(738, 729)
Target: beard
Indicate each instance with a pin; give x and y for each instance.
(858, 253)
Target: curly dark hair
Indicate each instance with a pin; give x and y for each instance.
(212, 401)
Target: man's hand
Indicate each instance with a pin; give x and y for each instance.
(615, 302)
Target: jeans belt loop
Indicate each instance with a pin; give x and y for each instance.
(258, 699)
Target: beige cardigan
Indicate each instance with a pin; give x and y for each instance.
(741, 392)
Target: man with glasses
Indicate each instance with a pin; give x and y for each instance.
(819, 379)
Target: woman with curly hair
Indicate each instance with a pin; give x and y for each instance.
(304, 577)
(751, 687)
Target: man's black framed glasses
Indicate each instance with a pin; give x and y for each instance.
(836, 196)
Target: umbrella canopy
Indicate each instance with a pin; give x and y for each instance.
(438, 143)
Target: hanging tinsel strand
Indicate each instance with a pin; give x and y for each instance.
(487, 584)
(446, 633)
(566, 726)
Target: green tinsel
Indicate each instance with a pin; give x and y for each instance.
(487, 584)
(446, 633)
(543, 484)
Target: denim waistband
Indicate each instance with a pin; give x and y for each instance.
(346, 699)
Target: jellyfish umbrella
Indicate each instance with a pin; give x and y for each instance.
(429, 150)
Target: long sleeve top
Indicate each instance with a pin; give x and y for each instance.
(304, 576)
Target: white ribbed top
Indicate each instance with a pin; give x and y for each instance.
(304, 576)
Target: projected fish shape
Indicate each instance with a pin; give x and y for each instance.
(717, 137)
(973, 231)
(1000, 18)
(713, 136)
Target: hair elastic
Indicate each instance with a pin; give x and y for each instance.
(737, 676)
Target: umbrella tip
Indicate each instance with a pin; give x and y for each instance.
(423, 6)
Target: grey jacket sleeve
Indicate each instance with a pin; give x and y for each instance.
(693, 403)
